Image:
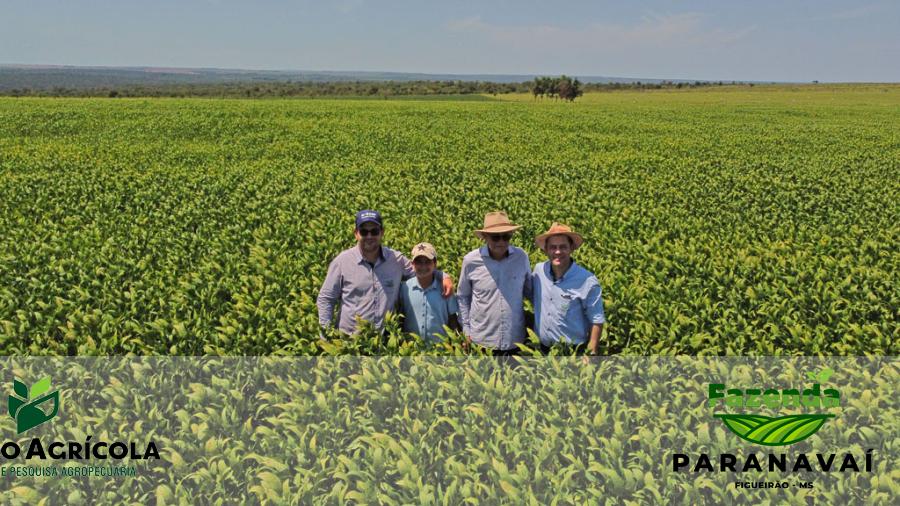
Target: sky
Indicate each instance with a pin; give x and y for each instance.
(762, 40)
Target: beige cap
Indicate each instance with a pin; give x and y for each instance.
(423, 249)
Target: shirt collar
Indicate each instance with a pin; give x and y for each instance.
(487, 254)
(548, 271)
(417, 286)
(361, 259)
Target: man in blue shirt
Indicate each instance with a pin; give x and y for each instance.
(425, 312)
(568, 305)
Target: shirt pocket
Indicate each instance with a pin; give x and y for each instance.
(391, 289)
(569, 306)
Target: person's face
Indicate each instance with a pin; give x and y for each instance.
(424, 266)
(368, 235)
(498, 244)
(558, 250)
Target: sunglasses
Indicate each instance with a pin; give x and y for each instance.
(365, 232)
(499, 237)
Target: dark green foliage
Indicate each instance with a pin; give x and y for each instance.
(194, 227)
(563, 87)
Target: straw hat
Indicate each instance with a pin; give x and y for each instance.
(559, 229)
(496, 223)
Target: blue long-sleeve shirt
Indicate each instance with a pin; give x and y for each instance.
(566, 308)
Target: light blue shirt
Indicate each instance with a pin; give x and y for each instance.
(491, 297)
(567, 308)
(425, 311)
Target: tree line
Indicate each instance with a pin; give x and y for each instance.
(555, 88)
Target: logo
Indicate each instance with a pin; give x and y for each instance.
(782, 430)
(25, 405)
(775, 431)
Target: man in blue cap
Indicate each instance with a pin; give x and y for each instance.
(364, 280)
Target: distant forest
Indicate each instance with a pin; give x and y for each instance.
(371, 89)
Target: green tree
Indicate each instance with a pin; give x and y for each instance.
(569, 89)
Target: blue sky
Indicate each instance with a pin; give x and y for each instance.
(756, 41)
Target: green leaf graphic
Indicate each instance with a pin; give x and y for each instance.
(40, 387)
(21, 389)
(825, 374)
(780, 431)
(14, 404)
(811, 375)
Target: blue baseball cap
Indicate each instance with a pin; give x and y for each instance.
(368, 216)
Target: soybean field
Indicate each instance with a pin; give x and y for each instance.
(760, 222)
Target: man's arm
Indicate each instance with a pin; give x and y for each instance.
(329, 294)
(464, 298)
(447, 287)
(593, 309)
(596, 331)
(452, 310)
(528, 289)
(406, 266)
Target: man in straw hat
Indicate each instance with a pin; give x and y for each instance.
(493, 284)
(364, 280)
(568, 305)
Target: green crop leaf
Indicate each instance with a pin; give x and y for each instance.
(40, 387)
(825, 374)
(780, 431)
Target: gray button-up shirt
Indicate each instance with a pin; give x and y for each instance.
(362, 289)
(491, 297)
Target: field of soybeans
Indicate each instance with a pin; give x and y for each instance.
(740, 221)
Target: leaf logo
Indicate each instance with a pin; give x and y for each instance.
(825, 374)
(780, 431)
(24, 406)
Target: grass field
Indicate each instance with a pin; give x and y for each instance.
(760, 220)
(780, 94)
